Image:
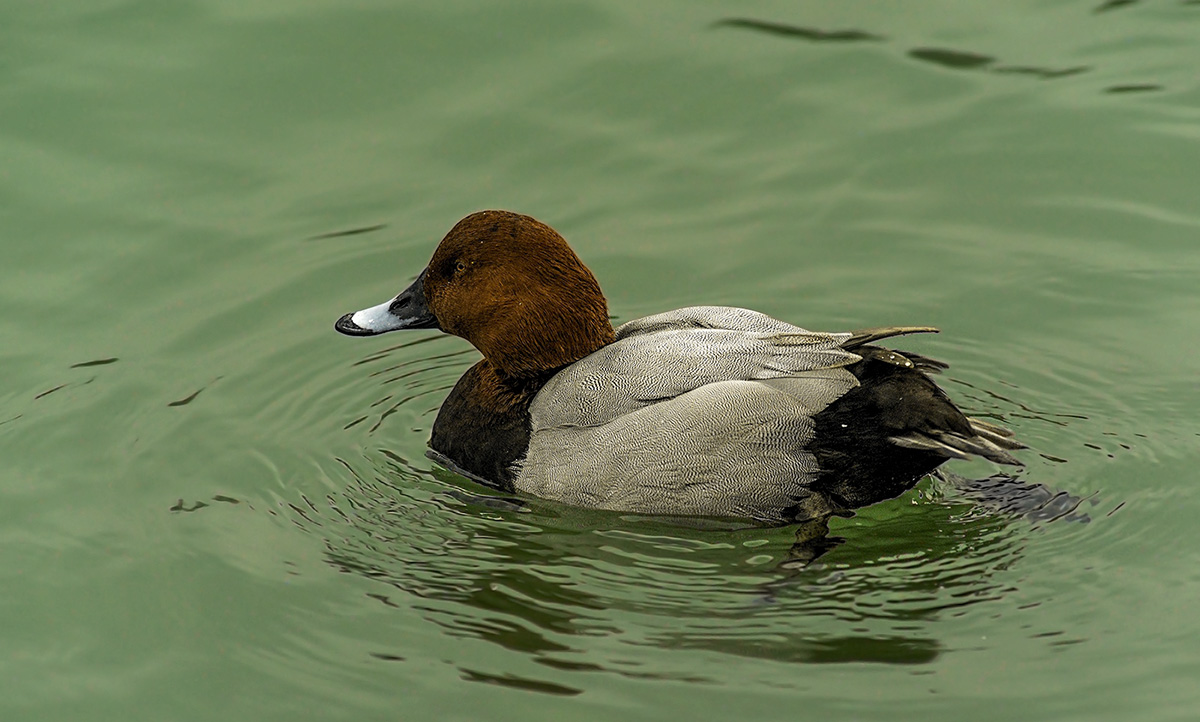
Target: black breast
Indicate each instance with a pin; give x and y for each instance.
(484, 439)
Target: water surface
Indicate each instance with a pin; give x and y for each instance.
(214, 507)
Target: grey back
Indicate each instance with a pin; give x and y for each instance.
(698, 411)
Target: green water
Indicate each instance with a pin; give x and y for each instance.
(213, 507)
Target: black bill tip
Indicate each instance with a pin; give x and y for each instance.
(346, 325)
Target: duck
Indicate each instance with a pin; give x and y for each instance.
(704, 411)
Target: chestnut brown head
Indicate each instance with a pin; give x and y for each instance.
(511, 286)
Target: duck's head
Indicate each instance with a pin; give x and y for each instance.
(511, 286)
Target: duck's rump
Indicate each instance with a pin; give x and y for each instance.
(728, 412)
(894, 427)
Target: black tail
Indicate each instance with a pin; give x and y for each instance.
(896, 426)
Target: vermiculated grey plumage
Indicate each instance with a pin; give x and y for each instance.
(709, 411)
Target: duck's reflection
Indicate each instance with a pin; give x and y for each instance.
(569, 587)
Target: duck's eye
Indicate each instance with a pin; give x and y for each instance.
(460, 267)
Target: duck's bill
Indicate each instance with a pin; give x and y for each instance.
(408, 310)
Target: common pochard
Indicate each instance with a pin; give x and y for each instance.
(707, 411)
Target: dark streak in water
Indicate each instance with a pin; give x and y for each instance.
(894, 650)
(390, 603)
(303, 514)
(1030, 413)
(425, 364)
(50, 391)
(382, 417)
(795, 31)
(396, 406)
(2, 423)
(962, 60)
(488, 501)
(356, 422)
(1114, 4)
(957, 59)
(1038, 417)
(190, 399)
(349, 232)
(97, 362)
(944, 57)
(383, 353)
(310, 504)
(1133, 88)
(348, 468)
(1055, 459)
(180, 506)
(521, 683)
(569, 665)
(1041, 73)
(396, 458)
(186, 401)
(226, 499)
(1068, 642)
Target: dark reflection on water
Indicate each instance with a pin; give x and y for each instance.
(186, 399)
(522, 683)
(1007, 494)
(547, 581)
(59, 387)
(97, 362)
(828, 650)
(987, 398)
(1041, 73)
(419, 376)
(962, 60)
(802, 33)
(348, 232)
(192, 396)
(49, 391)
(954, 59)
(1114, 4)
(1134, 88)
